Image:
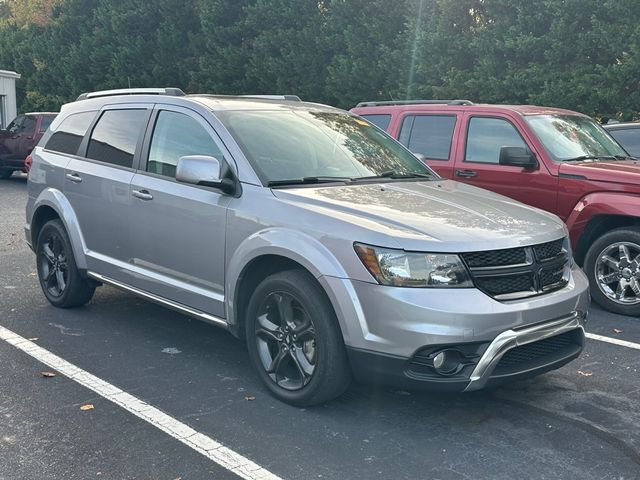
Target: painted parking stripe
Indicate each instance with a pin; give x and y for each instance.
(615, 341)
(199, 442)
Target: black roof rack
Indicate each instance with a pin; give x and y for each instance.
(170, 91)
(414, 102)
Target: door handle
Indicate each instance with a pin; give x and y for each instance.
(142, 194)
(74, 177)
(466, 173)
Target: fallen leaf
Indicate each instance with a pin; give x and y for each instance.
(32, 339)
(32, 274)
(98, 473)
(88, 406)
(617, 330)
(249, 398)
(48, 374)
(585, 374)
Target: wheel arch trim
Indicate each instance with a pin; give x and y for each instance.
(55, 199)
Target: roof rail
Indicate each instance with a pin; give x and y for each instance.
(293, 98)
(171, 91)
(415, 102)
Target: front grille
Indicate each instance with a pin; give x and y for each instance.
(513, 273)
(546, 251)
(536, 353)
(506, 284)
(495, 258)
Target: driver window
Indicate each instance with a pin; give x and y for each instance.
(486, 136)
(176, 135)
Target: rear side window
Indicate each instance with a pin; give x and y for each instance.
(629, 138)
(429, 135)
(380, 121)
(486, 136)
(177, 135)
(116, 135)
(46, 122)
(68, 136)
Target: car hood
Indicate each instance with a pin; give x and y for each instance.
(619, 171)
(455, 216)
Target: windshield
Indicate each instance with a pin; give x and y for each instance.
(283, 145)
(568, 137)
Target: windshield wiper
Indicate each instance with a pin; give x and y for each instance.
(394, 174)
(306, 181)
(591, 157)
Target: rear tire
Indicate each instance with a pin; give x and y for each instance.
(294, 340)
(60, 280)
(612, 266)
(5, 173)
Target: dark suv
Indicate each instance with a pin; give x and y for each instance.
(17, 141)
(557, 160)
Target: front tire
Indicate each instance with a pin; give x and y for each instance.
(294, 340)
(612, 265)
(60, 280)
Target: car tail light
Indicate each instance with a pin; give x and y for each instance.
(27, 163)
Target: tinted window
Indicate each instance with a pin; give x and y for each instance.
(46, 122)
(487, 136)
(29, 124)
(16, 125)
(115, 136)
(176, 135)
(629, 138)
(380, 121)
(68, 136)
(429, 135)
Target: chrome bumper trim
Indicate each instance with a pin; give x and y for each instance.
(515, 338)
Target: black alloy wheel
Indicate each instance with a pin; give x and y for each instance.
(294, 339)
(61, 282)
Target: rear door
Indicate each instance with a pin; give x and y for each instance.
(478, 163)
(97, 186)
(431, 135)
(178, 230)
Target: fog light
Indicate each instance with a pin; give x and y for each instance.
(448, 362)
(438, 360)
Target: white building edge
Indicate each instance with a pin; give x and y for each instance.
(8, 109)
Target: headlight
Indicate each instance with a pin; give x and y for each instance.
(412, 269)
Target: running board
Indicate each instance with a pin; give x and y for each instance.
(192, 312)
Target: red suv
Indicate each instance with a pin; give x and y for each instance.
(557, 160)
(17, 141)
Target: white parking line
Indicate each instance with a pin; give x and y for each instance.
(199, 442)
(615, 341)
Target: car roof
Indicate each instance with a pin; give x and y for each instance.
(210, 102)
(476, 107)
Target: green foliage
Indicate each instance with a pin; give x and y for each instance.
(578, 54)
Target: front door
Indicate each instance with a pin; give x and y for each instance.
(178, 229)
(18, 137)
(478, 164)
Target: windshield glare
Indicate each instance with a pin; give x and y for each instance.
(284, 145)
(566, 137)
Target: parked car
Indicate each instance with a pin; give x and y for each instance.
(557, 160)
(305, 230)
(19, 138)
(627, 135)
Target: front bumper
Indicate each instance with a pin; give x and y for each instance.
(392, 334)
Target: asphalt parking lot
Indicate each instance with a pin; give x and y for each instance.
(582, 421)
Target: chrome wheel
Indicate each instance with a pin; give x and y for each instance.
(285, 337)
(52, 263)
(617, 271)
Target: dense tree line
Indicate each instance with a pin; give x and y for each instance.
(578, 54)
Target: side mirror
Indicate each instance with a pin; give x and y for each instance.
(203, 170)
(420, 157)
(518, 157)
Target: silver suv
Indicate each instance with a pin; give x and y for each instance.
(307, 231)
